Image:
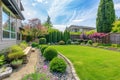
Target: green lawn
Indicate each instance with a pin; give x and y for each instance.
(93, 63)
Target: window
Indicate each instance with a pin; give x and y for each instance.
(9, 25)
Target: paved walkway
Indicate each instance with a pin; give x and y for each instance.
(25, 69)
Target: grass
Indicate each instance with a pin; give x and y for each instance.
(93, 63)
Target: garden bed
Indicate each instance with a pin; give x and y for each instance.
(43, 67)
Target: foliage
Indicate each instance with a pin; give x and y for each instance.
(75, 43)
(116, 27)
(35, 76)
(90, 42)
(23, 45)
(90, 62)
(66, 35)
(2, 60)
(43, 49)
(34, 44)
(15, 48)
(97, 35)
(95, 44)
(61, 43)
(50, 53)
(69, 41)
(114, 45)
(48, 23)
(90, 32)
(28, 38)
(105, 16)
(15, 55)
(17, 62)
(58, 65)
(42, 41)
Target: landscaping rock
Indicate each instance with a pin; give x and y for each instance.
(5, 72)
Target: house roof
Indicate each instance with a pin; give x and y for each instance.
(12, 5)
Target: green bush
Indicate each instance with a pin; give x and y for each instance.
(2, 60)
(17, 62)
(43, 49)
(95, 44)
(68, 41)
(58, 65)
(23, 45)
(90, 42)
(34, 44)
(28, 38)
(35, 76)
(15, 55)
(50, 53)
(42, 41)
(61, 42)
(114, 45)
(15, 48)
(75, 43)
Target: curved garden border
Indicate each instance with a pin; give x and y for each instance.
(71, 66)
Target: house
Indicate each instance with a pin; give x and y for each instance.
(10, 22)
(75, 28)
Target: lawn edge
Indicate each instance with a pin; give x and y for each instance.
(71, 66)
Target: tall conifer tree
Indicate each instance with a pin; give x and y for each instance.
(105, 16)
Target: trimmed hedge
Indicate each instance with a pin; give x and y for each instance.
(42, 41)
(58, 65)
(43, 49)
(50, 53)
(34, 44)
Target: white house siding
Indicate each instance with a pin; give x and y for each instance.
(5, 43)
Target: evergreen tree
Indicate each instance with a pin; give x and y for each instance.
(105, 16)
(48, 23)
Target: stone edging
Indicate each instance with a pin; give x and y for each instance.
(71, 66)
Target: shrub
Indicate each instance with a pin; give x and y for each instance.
(42, 41)
(95, 44)
(90, 42)
(114, 45)
(15, 55)
(34, 44)
(16, 62)
(61, 43)
(50, 53)
(58, 65)
(75, 43)
(35, 76)
(28, 38)
(68, 41)
(15, 48)
(23, 45)
(2, 60)
(43, 49)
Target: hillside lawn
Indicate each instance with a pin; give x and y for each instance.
(93, 63)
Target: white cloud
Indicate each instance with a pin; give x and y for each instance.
(39, 1)
(57, 8)
(60, 27)
(34, 4)
(79, 20)
(117, 6)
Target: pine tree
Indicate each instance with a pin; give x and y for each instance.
(105, 16)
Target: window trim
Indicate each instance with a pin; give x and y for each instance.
(10, 16)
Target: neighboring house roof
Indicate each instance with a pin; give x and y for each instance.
(82, 27)
(12, 5)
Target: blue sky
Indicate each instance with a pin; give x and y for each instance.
(65, 12)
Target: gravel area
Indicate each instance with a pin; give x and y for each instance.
(43, 67)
